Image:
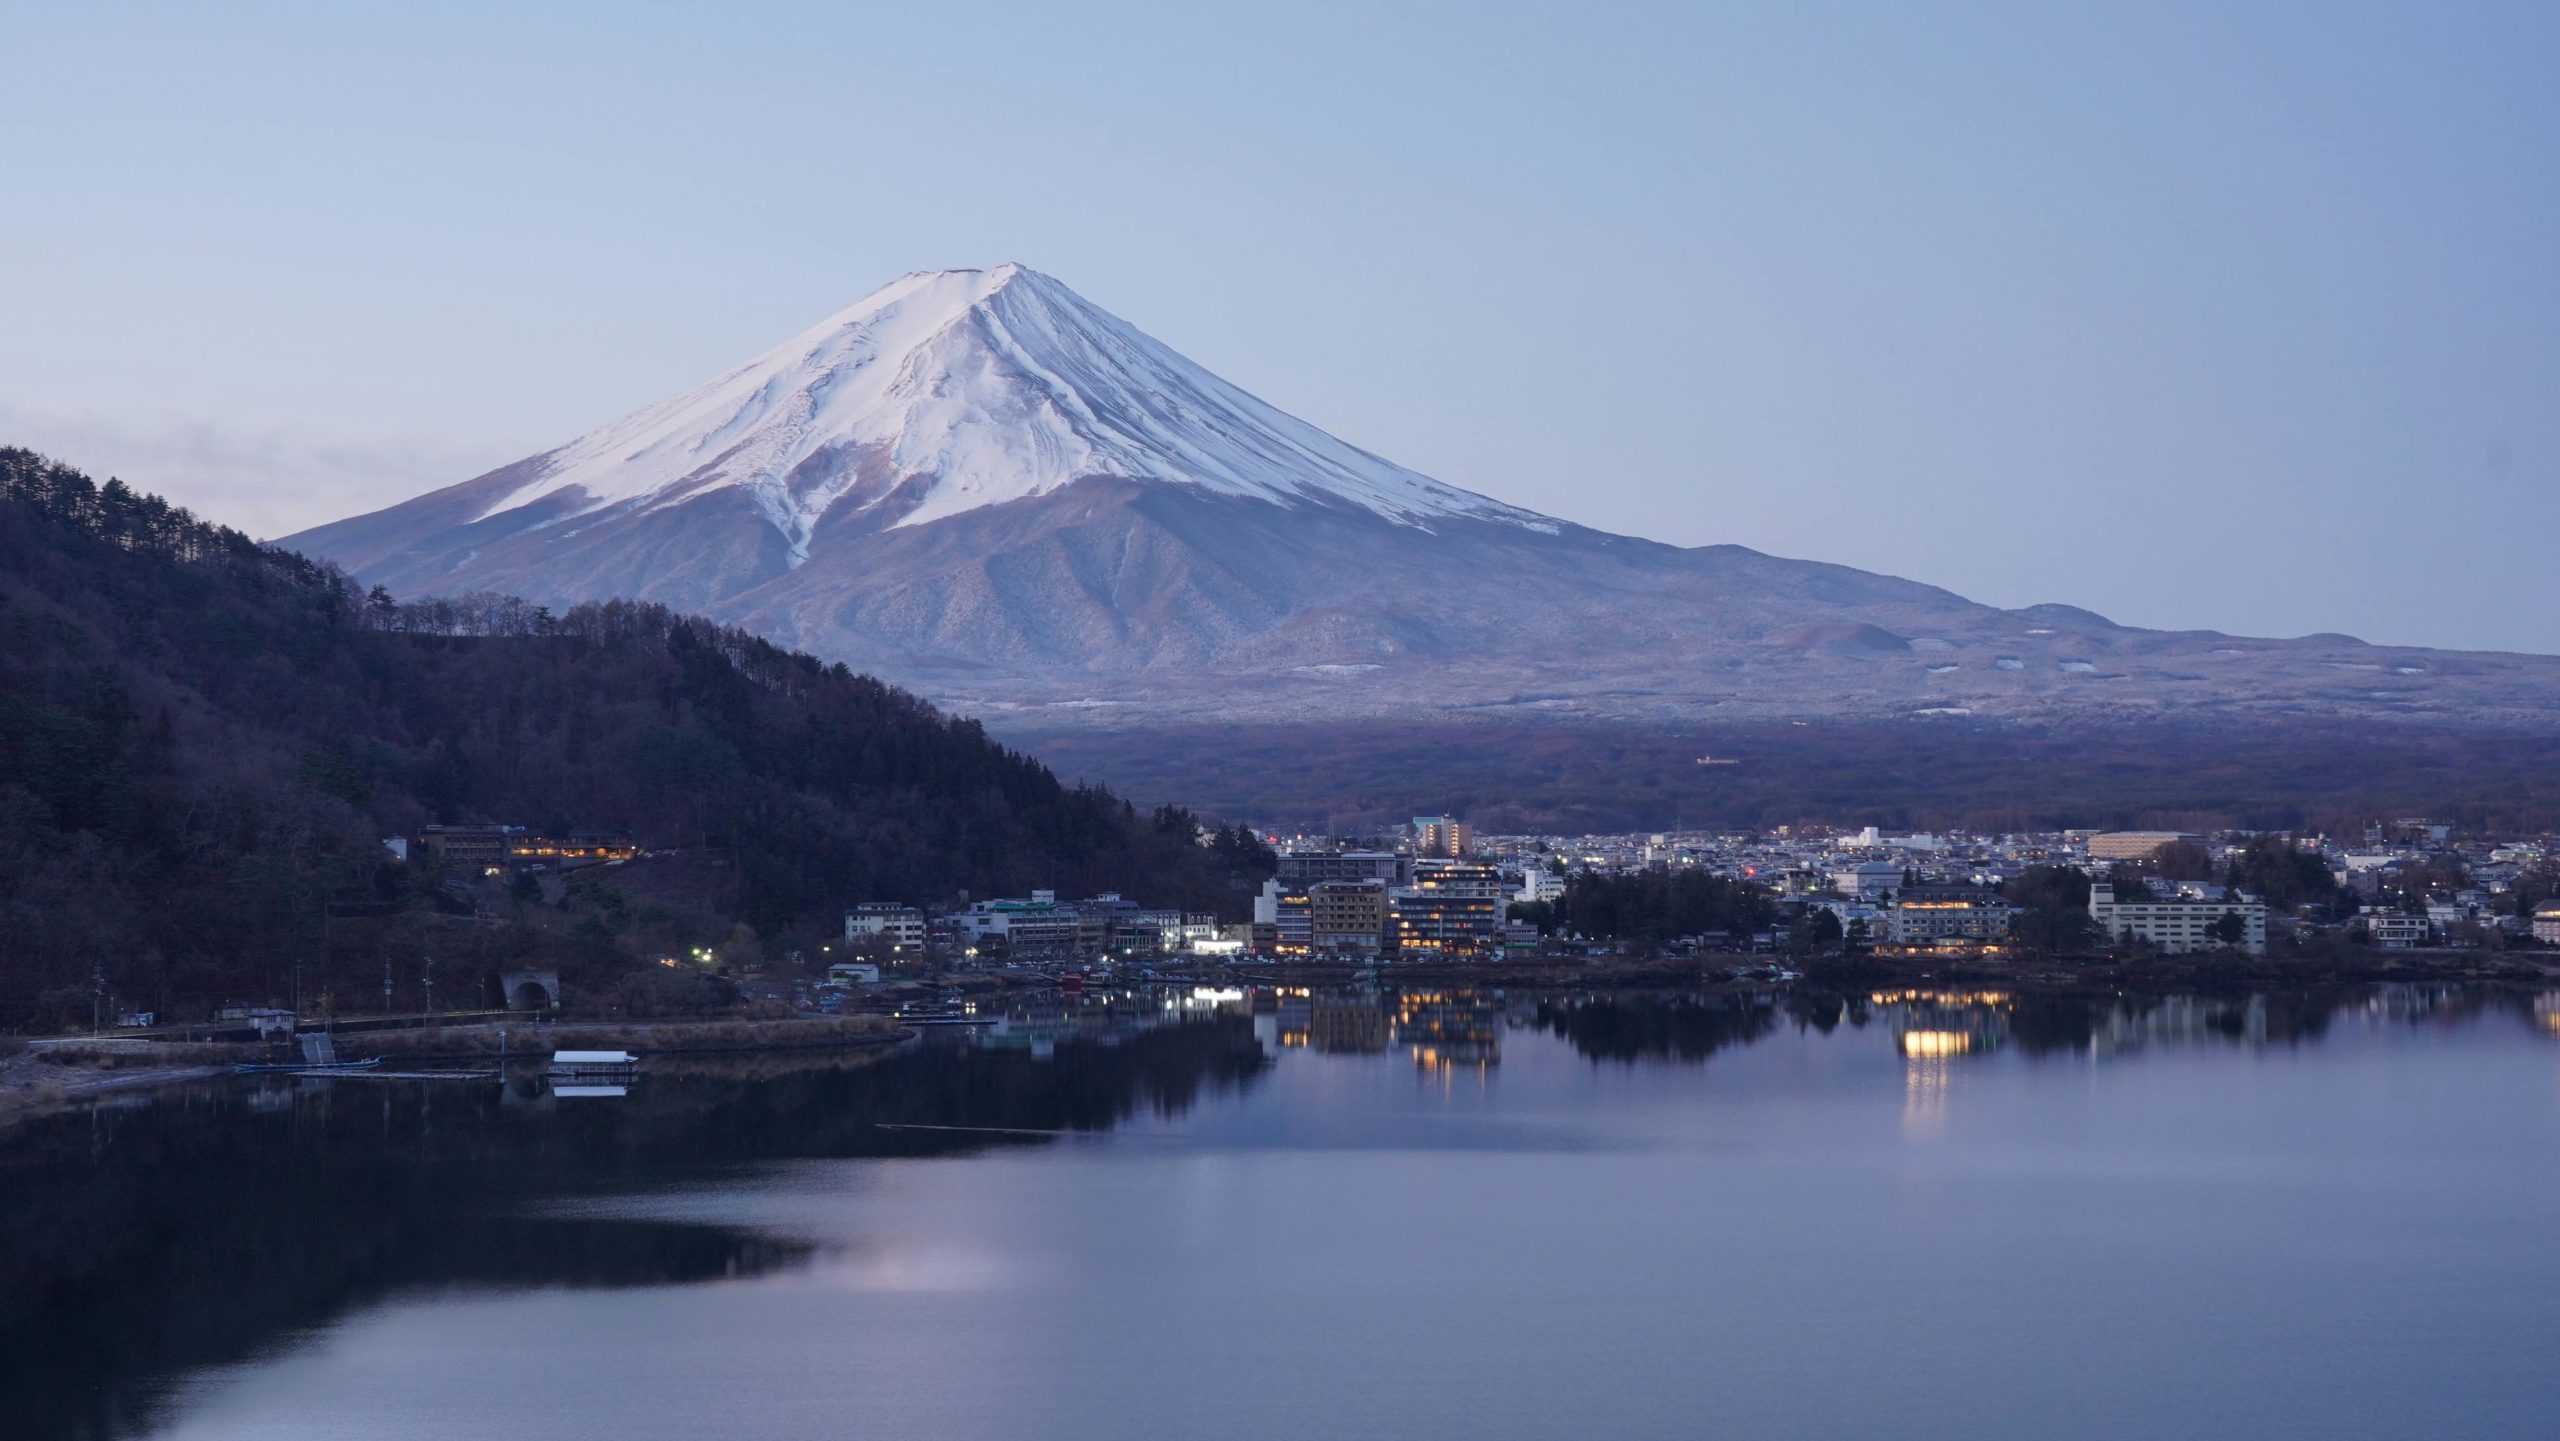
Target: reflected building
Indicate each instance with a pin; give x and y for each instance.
(1281, 1021)
(1675, 1028)
(2179, 1020)
(1447, 1029)
(1042, 1022)
(1347, 1025)
(1940, 1025)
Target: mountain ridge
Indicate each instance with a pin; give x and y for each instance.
(980, 484)
(949, 391)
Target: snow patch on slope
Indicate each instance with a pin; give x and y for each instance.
(947, 391)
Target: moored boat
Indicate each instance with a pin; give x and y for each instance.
(307, 1068)
(600, 1065)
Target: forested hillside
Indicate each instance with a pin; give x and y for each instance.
(203, 741)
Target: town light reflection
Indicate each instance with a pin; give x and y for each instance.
(1935, 1044)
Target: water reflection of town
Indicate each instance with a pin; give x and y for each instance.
(1040, 1022)
(172, 1232)
(1460, 1028)
(1946, 1024)
(1939, 1026)
(1441, 1030)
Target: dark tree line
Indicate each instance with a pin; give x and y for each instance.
(2285, 874)
(2053, 909)
(203, 741)
(1655, 905)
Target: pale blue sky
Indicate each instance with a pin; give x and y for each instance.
(2244, 315)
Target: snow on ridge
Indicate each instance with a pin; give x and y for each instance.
(959, 389)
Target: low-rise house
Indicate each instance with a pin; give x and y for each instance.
(2393, 930)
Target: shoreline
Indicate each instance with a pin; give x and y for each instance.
(33, 1084)
(50, 1075)
(485, 1041)
(46, 1076)
(2161, 974)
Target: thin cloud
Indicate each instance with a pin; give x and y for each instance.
(266, 482)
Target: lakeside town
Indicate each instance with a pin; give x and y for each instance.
(1438, 892)
(1741, 904)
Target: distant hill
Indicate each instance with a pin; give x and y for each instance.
(202, 741)
(1549, 777)
(981, 484)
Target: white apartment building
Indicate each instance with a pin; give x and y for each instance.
(902, 925)
(2393, 931)
(2176, 927)
(1872, 878)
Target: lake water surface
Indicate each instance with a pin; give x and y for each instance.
(1410, 1216)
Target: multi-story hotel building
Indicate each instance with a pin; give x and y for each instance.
(1452, 907)
(2176, 926)
(901, 926)
(1922, 914)
(1300, 869)
(1347, 916)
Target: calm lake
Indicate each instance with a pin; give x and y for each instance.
(1417, 1215)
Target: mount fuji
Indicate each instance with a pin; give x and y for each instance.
(982, 485)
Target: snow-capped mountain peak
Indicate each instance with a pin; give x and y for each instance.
(947, 391)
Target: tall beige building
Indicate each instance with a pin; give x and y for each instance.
(1347, 916)
(1441, 836)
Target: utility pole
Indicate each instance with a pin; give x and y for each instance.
(431, 988)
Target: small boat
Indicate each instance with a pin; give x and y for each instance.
(607, 1065)
(306, 1068)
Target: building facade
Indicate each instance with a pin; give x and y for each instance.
(1443, 837)
(2546, 923)
(1038, 926)
(1452, 908)
(2177, 927)
(901, 926)
(2394, 931)
(491, 846)
(1537, 883)
(1921, 915)
(1300, 869)
(2132, 845)
(1347, 917)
